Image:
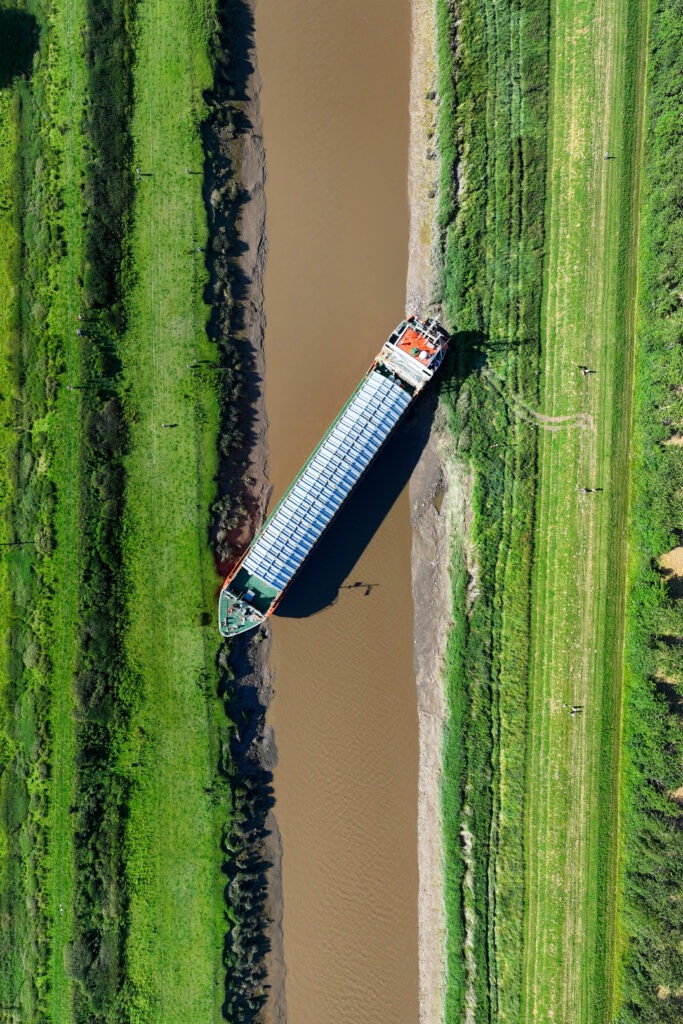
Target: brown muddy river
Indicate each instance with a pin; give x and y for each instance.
(335, 121)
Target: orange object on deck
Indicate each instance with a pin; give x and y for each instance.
(414, 342)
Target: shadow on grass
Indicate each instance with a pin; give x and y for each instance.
(18, 43)
(672, 694)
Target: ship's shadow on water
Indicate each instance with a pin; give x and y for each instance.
(318, 584)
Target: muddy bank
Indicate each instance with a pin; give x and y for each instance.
(236, 200)
(235, 203)
(234, 196)
(423, 162)
(434, 505)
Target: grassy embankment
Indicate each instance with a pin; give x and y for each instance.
(177, 804)
(192, 809)
(493, 124)
(109, 716)
(581, 557)
(530, 931)
(651, 981)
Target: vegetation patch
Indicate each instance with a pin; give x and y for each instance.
(111, 745)
(652, 839)
(539, 187)
(493, 95)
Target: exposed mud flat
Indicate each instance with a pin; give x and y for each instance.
(423, 160)
(235, 204)
(236, 208)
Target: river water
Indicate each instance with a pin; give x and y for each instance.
(335, 123)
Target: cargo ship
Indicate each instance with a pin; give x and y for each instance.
(407, 361)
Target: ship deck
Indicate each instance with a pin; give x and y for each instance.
(327, 479)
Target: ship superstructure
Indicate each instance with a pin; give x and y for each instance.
(407, 361)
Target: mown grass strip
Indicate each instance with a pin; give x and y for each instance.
(573, 761)
(172, 837)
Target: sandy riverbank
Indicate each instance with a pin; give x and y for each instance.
(432, 508)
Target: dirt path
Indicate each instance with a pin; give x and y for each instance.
(579, 579)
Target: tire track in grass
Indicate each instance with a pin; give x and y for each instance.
(538, 739)
(567, 963)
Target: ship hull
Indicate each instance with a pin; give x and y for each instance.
(255, 586)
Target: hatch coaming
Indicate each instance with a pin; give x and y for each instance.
(329, 477)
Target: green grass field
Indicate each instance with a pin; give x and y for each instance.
(132, 745)
(172, 851)
(581, 557)
(532, 923)
(122, 812)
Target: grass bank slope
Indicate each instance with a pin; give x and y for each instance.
(580, 556)
(493, 111)
(111, 815)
